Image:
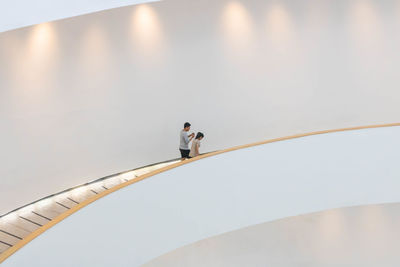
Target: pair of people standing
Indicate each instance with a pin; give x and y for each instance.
(185, 139)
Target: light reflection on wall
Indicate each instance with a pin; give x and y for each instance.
(367, 39)
(280, 34)
(317, 15)
(365, 24)
(279, 25)
(374, 221)
(35, 65)
(41, 39)
(96, 60)
(237, 25)
(332, 229)
(332, 225)
(94, 50)
(41, 54)
(147, 34)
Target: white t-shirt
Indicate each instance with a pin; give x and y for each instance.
(193, 152)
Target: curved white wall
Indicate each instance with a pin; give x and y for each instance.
(102, 93)
(367, 236)
(223, 193)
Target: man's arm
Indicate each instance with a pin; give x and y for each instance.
(188, 138)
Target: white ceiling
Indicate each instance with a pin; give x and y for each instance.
(20, 13)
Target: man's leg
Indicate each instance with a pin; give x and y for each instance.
(185, 153)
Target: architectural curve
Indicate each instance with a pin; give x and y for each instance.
(355, 236)
(99, 93)
(22, 13)
(382, 133)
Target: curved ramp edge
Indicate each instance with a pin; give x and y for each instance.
(229, 168)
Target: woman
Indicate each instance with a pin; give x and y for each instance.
(196, 145)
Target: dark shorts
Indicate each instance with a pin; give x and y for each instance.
(184, 153)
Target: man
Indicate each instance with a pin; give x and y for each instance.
(184, 141)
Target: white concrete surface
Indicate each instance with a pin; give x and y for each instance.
(98, 94)
(367, 236)
(221, 194)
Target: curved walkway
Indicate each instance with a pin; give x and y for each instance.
(224, 193)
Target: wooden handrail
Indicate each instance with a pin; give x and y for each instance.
(83, 204)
